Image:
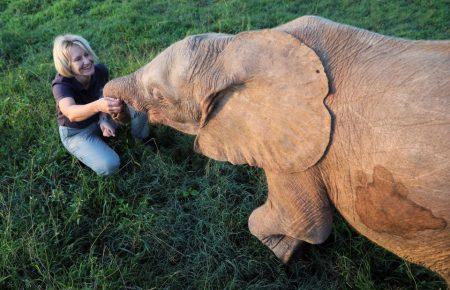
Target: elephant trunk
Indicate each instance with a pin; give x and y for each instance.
(126, 88)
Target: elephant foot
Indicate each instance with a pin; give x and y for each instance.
(293, 214)
(263, 224)
(284, 247)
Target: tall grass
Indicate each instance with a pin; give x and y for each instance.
(171, 218)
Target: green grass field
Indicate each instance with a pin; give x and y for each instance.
(170, 218)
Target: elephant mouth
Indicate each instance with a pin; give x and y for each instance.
(190, 129)
(158, 118)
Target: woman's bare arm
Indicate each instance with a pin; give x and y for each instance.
(76, 113)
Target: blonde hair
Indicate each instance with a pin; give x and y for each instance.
(61, 52)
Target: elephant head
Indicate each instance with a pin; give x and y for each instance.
(254, 98)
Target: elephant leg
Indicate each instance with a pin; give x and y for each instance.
(296, 211)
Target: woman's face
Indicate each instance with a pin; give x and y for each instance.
(81, 61)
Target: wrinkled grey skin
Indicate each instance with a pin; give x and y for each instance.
(384, 165)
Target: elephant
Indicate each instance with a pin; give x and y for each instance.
(336, 116)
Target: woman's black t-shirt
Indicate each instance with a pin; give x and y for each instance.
(63, 87)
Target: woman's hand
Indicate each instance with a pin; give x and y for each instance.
(109, 105)
(108, 130)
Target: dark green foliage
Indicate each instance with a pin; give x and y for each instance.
(171, 218)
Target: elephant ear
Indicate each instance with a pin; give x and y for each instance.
(269, 111)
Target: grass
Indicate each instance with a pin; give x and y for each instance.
(171, 218)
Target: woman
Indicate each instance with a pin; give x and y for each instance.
(82, 112)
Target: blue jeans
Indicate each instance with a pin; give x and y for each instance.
(88, 147)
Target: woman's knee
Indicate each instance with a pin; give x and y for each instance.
(108, 166)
